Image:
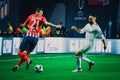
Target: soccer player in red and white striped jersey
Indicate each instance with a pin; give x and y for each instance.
(34, 24)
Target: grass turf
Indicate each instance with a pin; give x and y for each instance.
(60, 66)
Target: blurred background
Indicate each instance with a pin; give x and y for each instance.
(67, 12)
(58, 41)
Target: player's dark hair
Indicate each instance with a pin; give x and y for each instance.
(93, 15)
(38, 9)
(60, 23)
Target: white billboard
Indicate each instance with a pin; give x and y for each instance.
(10, 46)
(54, 45)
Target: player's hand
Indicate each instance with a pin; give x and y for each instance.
(74, 27)
(105, 47)
(43, 35)
(59, 26)
(22, 25)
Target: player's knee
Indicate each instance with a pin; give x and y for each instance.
(28, 53)
(78, 53)
(20, 53)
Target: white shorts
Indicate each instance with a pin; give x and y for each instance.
(87, 46)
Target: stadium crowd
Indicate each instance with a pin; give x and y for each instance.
(46, 31)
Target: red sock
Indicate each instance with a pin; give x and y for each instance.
(26, 58)
(23, 56)
(21, 62)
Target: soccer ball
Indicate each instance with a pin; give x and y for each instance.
(38, 68)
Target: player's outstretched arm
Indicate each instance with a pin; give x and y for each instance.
(104, 43)
(53, 25)
(76, 29)
(23, 25)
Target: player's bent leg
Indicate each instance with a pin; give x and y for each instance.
(21, 62)
(77, 70)
(20, 54)
(15, 68)
(28, 53)
(23, 55)
(29, 61)
(91, 64)
(78, 61)
(78, 53)
(28, 64)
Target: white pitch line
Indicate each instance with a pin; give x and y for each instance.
(35, 58)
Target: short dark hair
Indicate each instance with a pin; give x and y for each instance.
(61, 23)
(38, 9)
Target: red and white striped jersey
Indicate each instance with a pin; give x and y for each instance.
(34, 23)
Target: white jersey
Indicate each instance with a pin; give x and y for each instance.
(92, 31)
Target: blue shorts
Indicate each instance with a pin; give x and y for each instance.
(28, 43)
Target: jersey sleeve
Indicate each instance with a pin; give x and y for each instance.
(86, 29)
(100, 33)
(26, 21)
(44, 20)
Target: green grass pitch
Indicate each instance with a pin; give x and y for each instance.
(60, 66)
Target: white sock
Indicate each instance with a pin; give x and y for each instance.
(85, 58)
(17, 66)
(78, 61)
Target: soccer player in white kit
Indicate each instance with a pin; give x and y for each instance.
(91, 30)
